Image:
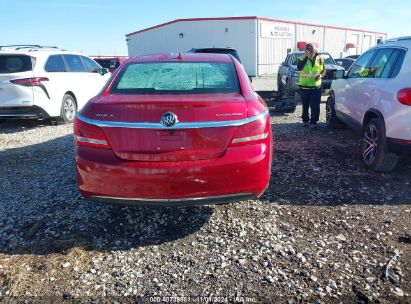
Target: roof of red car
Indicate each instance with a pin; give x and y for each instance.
(183, 57)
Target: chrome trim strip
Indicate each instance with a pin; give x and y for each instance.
(180, 125)
(19, 115)
(250, 138)
(91, 140)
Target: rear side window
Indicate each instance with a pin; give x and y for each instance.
(398, 64)
(74, 63)
(287, 58)
(294, 59)
(177, 78)
(359, 68)
(379, 62)
(91, 66)
(55, 63)
(15, 64)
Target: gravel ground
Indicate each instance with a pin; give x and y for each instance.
(324, 231)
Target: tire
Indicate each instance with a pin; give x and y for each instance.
(293, 106)
(330, 115)
(280, 87)
(373, 149)
(68, 108)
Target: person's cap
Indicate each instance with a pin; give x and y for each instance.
(309, 47)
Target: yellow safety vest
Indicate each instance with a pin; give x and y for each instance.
(310, 71)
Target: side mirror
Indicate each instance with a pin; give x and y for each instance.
(339, 74)
(251, 79)
(103, 71)
(339, 63)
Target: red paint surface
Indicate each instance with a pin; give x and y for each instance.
(148, 163)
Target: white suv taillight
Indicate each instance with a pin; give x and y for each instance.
(30, 82)
(89, 135)
(252, 132)
(404, 96)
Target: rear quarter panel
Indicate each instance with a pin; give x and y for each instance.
(396, 115)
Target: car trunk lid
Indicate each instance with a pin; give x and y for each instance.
(132, 125)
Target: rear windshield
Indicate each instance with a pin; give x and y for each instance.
(177, 78)
(108, 63)
(15, 64)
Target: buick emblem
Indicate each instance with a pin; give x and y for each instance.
(168, 119)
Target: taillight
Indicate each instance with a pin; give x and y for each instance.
(404, 96)
(252, 132)
(89, 135)
(30, 82)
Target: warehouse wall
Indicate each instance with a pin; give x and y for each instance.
(238, 34)
(334, 42)
(309, 33)
(262, 43)
(274, 39)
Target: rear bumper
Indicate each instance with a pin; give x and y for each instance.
(23, 112)
(242, 173)
(399, 146)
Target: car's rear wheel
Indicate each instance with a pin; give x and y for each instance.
(280, 87)
(292, 106)
(373, 150)
(68, 108)
(330, 114)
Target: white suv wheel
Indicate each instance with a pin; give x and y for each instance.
(68, 108)
(373, 152)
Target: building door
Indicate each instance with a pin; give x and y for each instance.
(354, 39)
(366, 43)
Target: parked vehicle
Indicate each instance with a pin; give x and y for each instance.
(346, 63)
(230, 51)
(353, 57)
(175, 130)
(41, 82)
(110, 63)
(374, 98)
(288, 75)
(276, 102)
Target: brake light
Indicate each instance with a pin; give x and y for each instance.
(252, 132)
(30, 82)
(404, 96)
(89, 135)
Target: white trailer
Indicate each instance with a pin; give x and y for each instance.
(262, 43)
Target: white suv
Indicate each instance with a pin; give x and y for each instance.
(374, 98)
(41, 82)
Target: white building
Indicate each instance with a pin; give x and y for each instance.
(262, 43)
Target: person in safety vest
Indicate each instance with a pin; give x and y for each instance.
(312, 69)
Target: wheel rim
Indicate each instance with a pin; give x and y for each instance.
(69, 109)
(370, 139)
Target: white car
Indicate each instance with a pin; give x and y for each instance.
(41, 82)
(374, 98)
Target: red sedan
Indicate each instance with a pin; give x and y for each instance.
(174, 129)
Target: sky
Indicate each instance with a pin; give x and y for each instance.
(98, 27)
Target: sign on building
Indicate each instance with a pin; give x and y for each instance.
(276, 31)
